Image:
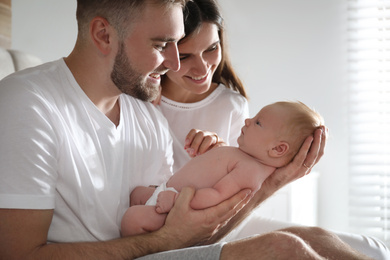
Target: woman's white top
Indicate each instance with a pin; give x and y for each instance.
(224, 112)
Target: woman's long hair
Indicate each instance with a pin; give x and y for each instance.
(197, 12)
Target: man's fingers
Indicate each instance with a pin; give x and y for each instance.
(311, 151)
(229, 208)
(185, 196)
(315, 149)
(303, 152)
(201, 225)
(324, 138)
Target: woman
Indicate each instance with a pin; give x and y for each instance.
(207, 94)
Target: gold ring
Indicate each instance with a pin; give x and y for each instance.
(304, 165)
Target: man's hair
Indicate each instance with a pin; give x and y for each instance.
(119, 13)
(301, 123)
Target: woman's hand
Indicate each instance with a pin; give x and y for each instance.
(198, 142)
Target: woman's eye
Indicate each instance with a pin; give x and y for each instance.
(213, 48)
(258, 123)
(183, 56)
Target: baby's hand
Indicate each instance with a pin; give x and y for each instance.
(198, 142)
(165, 201)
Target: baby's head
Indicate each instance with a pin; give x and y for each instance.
(276, 133)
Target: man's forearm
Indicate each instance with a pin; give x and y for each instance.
(269, 187)
(257, 199)
(122, 248)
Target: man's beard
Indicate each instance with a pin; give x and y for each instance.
(129, 81)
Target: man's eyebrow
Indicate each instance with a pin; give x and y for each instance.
(167, 39)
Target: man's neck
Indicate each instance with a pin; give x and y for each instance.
(96, 85)
(114, 114)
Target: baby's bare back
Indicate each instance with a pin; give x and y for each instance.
(207, 169)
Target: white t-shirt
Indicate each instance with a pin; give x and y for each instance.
(224, 112)
(58, 151)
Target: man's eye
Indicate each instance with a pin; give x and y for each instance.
(160, 47)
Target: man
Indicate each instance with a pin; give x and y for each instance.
(73, 146)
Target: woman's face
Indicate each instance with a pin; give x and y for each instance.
(200, 56)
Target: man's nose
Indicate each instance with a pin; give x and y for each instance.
(171, 56)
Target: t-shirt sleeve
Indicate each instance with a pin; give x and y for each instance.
(28, 148)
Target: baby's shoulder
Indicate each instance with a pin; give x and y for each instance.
(234, 156)
(227, 150)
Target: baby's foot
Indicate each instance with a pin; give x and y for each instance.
(165, 201)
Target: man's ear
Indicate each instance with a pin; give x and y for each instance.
(279, 150)
(101, 34)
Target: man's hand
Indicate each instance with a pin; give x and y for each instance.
(198, 142)
(191, 227)
(310, 153)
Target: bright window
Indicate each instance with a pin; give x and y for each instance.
(369, 61)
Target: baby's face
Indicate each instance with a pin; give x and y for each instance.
(261, 133)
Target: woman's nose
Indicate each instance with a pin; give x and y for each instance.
(201, 66)
(247, 122)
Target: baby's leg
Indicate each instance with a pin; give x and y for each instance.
(141, 219)
(165, 201)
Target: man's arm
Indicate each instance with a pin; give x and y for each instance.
(23, 233)
(213, 218)
(309, 154)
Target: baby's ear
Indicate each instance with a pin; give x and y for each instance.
(279, 150)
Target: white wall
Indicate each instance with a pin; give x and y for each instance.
(45, 28)
(295, 50)
(282, 49)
